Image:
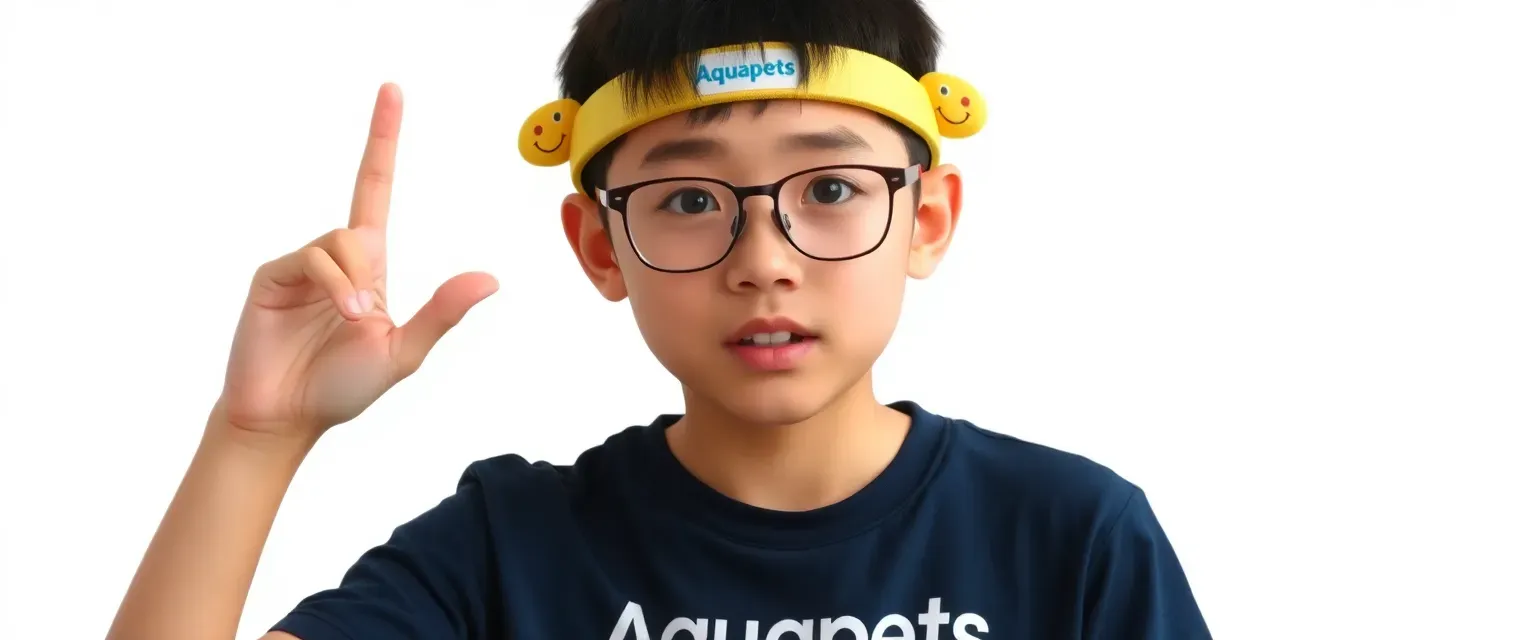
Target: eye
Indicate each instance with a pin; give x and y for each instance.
(830, 191)
(943, 89)
(557, 116)
(691, 202)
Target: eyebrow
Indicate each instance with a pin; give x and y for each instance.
(834, 139)
(683, 149)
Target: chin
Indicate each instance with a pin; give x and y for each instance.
(770, 402)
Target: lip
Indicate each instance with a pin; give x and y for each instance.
(772, 358)
(784, 357)
(768, 325)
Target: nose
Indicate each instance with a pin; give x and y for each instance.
(763, 258)
(538, 130)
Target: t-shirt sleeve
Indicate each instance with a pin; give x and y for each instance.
(428, 580)
(1137, 589)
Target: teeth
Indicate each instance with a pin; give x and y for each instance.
(767, 339)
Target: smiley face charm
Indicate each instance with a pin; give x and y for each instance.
(960, 108)
(545, 139)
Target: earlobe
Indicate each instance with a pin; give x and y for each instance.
(933, 223)
(590, 242)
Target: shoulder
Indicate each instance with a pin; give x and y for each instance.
(429, 579)
(615, 455)
(1034, 470)
(1035, 483)
(521, 483)
(1074, 525)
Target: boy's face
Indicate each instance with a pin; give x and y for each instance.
(700, 321)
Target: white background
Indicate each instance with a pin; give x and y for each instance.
(1271, 261)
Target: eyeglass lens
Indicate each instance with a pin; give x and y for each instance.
(830, 214)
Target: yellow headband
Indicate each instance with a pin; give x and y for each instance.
(936, 105)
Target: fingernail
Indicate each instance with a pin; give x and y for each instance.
(364, 301)
(351, 304)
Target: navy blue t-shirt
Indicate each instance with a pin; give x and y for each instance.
(968, 534)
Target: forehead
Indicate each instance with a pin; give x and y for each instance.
(776, 132)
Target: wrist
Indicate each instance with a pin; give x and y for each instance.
(287, 447)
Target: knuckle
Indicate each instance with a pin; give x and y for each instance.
(333, 238)
(275, 265)
(374, 177)
(343, 244)
(315, 256)
(267, 267)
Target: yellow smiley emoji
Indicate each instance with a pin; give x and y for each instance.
(545, 140)
(961, 109)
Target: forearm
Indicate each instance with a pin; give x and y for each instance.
(194, 578)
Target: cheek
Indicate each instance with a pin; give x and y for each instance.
(671, 310)
(661, 294)
(865, 295)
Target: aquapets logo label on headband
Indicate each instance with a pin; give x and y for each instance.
(730, 71)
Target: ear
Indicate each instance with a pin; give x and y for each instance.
(933, 224)
(583, 223)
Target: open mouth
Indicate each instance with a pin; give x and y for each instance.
(946, 118)
(774, 339)
(561, 142)
(772, 344)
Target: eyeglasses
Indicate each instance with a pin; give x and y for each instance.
(682, 225)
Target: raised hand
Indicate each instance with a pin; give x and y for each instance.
(315, 344)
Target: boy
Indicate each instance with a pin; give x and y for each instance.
(761, 202)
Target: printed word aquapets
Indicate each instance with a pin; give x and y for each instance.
(936, 624)
(747, 72)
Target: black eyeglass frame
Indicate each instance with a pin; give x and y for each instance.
(896, 178)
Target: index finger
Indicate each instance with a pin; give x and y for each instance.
(376, 174)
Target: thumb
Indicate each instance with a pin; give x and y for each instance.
(447, 307)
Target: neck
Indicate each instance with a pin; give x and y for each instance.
(800, 466)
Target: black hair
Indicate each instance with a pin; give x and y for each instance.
(647, 39)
